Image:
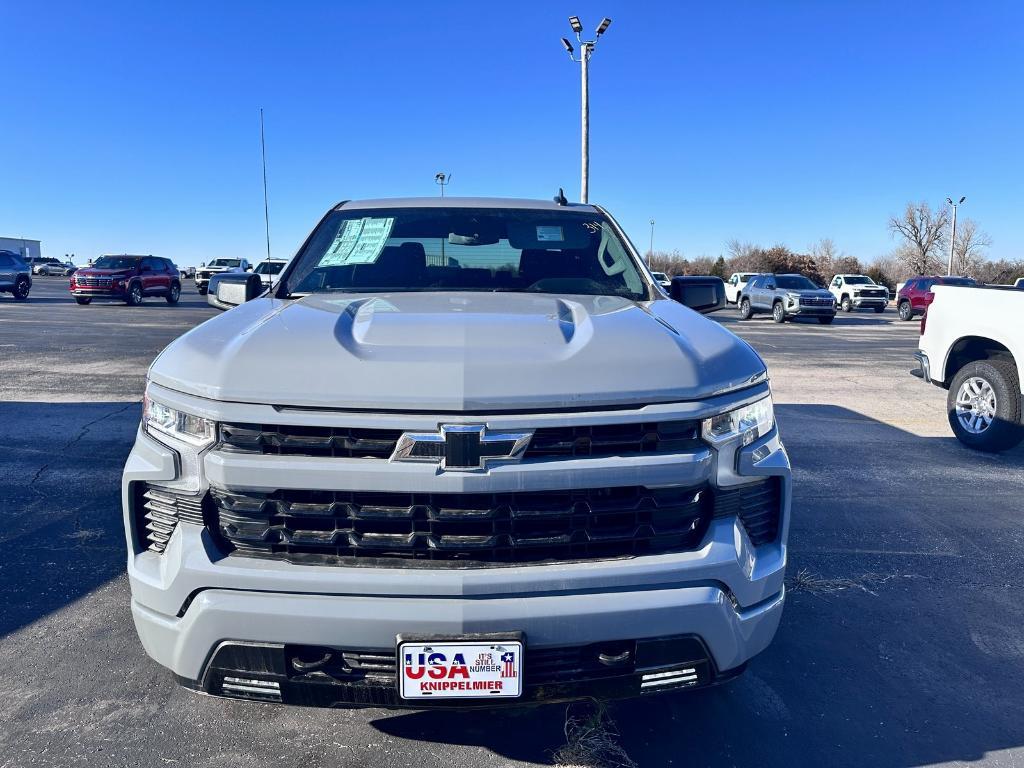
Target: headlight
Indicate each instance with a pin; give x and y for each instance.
(158, 419)
(747, 423)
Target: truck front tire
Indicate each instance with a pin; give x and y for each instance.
(984, 406)
(846, 304)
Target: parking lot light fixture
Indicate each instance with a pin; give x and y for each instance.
(586, 51)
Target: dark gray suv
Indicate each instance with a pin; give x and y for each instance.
(15, 275)
(786, 297)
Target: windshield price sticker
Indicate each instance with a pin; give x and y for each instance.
(550, 234)
(460, 670)
(359, 242)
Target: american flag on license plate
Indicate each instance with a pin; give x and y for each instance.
(508, 664)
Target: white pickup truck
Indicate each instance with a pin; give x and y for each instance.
(972, 344)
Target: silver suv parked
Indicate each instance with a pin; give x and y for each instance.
(786, 297)
(464, 453)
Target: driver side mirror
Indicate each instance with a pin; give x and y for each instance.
(229, 289)
(701, 293)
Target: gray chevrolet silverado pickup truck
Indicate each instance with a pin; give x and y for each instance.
(466, 452)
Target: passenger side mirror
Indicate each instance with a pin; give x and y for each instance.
(229, 289)
(701, 293)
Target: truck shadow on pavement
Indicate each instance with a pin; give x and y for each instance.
(902, 643)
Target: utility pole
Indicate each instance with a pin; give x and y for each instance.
(952, 237)
(650, 251)
(586, 51)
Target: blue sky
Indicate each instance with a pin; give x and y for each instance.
(134, 126)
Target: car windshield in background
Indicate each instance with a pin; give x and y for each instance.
(466, 249)
(794, 283)
(226, 263)
(859, 280)
(958, 281)
(115, 262)
(269, 267)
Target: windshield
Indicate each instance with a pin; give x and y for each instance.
(859, 280)
(225, 263)
(958, 281)
(116, 262)
(269, 267)
(660, 275)
(466, 249)
(794, 283)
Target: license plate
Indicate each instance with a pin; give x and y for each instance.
(488, 669)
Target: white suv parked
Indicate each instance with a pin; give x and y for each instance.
(857, 292)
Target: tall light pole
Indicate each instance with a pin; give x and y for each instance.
(586, 51)
(650, 251)
(952, 237)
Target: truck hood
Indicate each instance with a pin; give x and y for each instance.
(93, 272)
(457, 352)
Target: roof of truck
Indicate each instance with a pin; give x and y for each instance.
(463, 202)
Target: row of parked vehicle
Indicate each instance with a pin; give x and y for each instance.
(792, 295)
(124, 278)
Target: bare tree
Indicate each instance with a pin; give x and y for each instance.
(968, 248)
(739, 250)
(824, 251)
(924, 231)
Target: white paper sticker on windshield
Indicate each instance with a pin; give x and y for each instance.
(359, 242)
(550, 234)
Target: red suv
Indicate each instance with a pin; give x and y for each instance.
(916, 294)
(127, 279)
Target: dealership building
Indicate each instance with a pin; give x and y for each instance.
(26, 248)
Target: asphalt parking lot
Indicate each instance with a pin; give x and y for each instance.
(902, 643)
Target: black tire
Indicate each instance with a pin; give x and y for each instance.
(746, 311)
(134, 295)
(879, 310)
(906, 311)
(83, 300)
(778, 312)
(174, 294)
(826, 320)
(1006, 430)
(21, 288)
(202, 290)
(846, 304)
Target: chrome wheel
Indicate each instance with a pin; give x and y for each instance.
(975, 405)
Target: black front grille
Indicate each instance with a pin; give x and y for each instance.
(279, 440)
(157, 512)
(548, 442)
(462, 529)
(872, 293)
(757, 505)
(615, 439)
(93, 282)
(815, 301)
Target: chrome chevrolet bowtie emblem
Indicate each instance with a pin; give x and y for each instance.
(462, 446)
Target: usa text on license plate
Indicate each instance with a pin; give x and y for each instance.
(460, 670)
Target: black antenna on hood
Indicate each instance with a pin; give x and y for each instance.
(266, 206)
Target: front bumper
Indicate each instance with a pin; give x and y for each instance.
(100, 293)
(870, 301)
(192, 598)
(799, 310)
